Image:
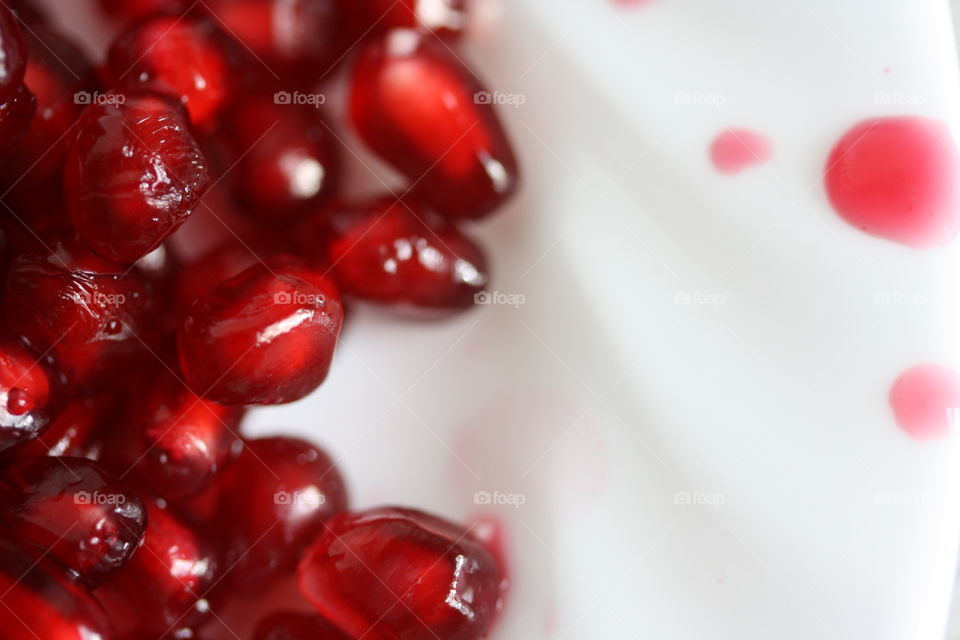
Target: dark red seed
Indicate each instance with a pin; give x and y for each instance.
(415, 104)
(134, 174)
(273, 501)
(29, 391)
(266, 336)
(293, 39)
(285, 159)
(16, 114)
(40, 602)
(401, 574)
(172, 440)
(292, 625)
(163, 586)
(402, 252)
(90, 314)
(13, 54)
(445, 18)
(77, 431)
(187, 58)
(83, 516)
(208, 271)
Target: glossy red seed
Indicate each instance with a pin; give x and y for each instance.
(71, 507)
(13, 54)
(402, 252)
(160, 587)
(266, 336)
(292, 625)
(90, 314)
(40, 602)
(285, 159)
(133, 175)
(400, 574)
(77, 430)
(415, 104)
(273, 501)
(208, 271)
(29, 392)
(16, 114)
(187, 58)
(61, 77)
(173, 441)
(291, 39)
(445, 18)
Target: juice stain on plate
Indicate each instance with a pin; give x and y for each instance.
(925, 401)
(736, 149)
(896, 178)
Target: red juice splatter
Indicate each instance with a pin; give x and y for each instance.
(922, 398)
(736, 149)
(896, 178)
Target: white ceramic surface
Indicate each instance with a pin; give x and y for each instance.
(603, 401)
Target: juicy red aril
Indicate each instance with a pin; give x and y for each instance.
(273, 501)
(400, 574)
(16, 113)
(208, 271)
(77, 430)
(60, 76)
(401, 252)
(40, 602)
(160, 587)
(174, 441)
(295, 39)
(445, 18)
(29, 388)
(13, 54)
(187, 58)
(291, 625)
(417, 106)
(133, 175)
(84, 517)
(266, 336)
(285, 160)
(88, 312)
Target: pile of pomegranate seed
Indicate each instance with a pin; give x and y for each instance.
(178, 246)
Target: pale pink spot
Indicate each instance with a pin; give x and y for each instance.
(887, 69)
(896, 178)
(923, 398)
(631, 3)
(736, 149)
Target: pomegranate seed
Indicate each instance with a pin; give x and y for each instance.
(445, 18)
(210, 270)
(133, 175)
(417, 106)
(16, 115)
(295, 39)
(78, 512)
(77, 430)
(87, 312)
(401, 252)
(266, 336)
(173, 440)
(163, 583)
(285, 159)
(401, 574)
(13, 55)
(292, 625)
(61, 77)
(187, 58)
(273, 501)
(29, 388)
(39, 602)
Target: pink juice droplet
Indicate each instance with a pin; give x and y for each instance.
(896, 178)
(923, 399)
(736, 149)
